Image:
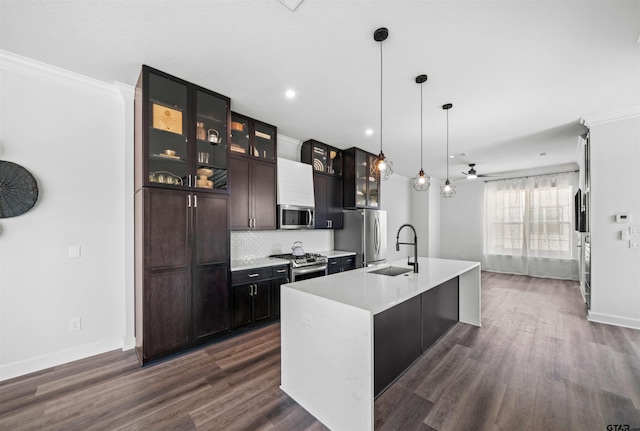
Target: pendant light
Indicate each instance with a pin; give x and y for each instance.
(421, 182)
(382, 166)
(447, 190)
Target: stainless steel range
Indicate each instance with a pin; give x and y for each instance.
(309, 265)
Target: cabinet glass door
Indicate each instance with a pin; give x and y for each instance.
(167, 157)
(264, 144)
(362, 175)
(372, 198)
(239, 134)
(320, 158)
(211, 141)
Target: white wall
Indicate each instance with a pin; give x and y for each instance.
(615, 188)
(395, 198)
(70, 132)
(461, 228)
(435, 219)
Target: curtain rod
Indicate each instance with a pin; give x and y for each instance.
(531, 176)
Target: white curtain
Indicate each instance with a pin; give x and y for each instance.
(529, 226)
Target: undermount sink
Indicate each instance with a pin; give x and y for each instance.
(391, 271)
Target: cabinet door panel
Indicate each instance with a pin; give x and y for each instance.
(211, 229)
(320, 195)
(439, 311)
(264, 194)
(239, 175)
(276, 295)
(166, 228)
(211, 301)
(241, 305)
(334, 202)
(168, 299)
(262, 301)
(397, 342)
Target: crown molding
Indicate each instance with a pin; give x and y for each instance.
(36, 69)
(622, 114)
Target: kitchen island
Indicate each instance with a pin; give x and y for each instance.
(333, 329)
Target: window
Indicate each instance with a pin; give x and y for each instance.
(529, 217)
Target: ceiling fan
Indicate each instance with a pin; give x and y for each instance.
(472, 174)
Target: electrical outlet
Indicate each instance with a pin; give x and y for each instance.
(74, 251)
(74, 324)
(634, 243)
(634, 230)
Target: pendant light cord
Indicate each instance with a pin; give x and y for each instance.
(447, 145)
(421, 140)
(381, 96)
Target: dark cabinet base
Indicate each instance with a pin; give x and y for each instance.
(403, 333)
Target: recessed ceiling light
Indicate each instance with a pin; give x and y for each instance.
(368, 132)
(451, 156)
(290, 94)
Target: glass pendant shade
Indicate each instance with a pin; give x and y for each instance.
(382, 167)
(421, 182)
(447, 190)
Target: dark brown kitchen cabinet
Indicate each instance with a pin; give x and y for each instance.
(182, 266)
(328, 201)
(324, 158)
(361, 186)
(181, 134)
(253, 138)
(341, 264)
(254, 299)
(253, 194)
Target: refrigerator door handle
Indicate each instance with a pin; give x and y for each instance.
(376, 236)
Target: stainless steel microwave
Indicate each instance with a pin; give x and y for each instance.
(295, 217)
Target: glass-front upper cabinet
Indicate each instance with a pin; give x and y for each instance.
(253, 138)
(323, 157)
(211, 140)
(361, 188)
(181, 134)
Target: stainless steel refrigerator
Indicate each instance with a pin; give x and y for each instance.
(365, 232)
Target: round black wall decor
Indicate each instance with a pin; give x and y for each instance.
(18, 190)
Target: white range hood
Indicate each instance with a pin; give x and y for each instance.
(295, 183)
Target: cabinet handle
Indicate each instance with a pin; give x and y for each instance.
(189, 180)
(280, 271)
(333, 262)
(189, 201)
(250, 222)
(253, 275)
(195, 201)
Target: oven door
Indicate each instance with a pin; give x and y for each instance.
(307, 272)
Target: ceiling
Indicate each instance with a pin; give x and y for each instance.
(520, 74)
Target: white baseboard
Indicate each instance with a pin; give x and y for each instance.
(609, 319)
(43, 362)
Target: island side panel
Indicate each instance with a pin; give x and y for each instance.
(327, 359)
(470, 297)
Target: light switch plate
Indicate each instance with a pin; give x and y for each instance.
(624, 234)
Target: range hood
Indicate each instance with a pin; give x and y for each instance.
(295, 184)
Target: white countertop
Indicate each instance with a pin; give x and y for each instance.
(376, 293)
(237, 265)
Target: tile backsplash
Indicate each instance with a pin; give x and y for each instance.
(247, 245)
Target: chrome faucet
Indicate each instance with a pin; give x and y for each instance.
(414, 244)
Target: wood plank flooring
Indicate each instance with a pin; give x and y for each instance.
(536, 364)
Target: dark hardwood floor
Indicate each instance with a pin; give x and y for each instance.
(536, 364)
